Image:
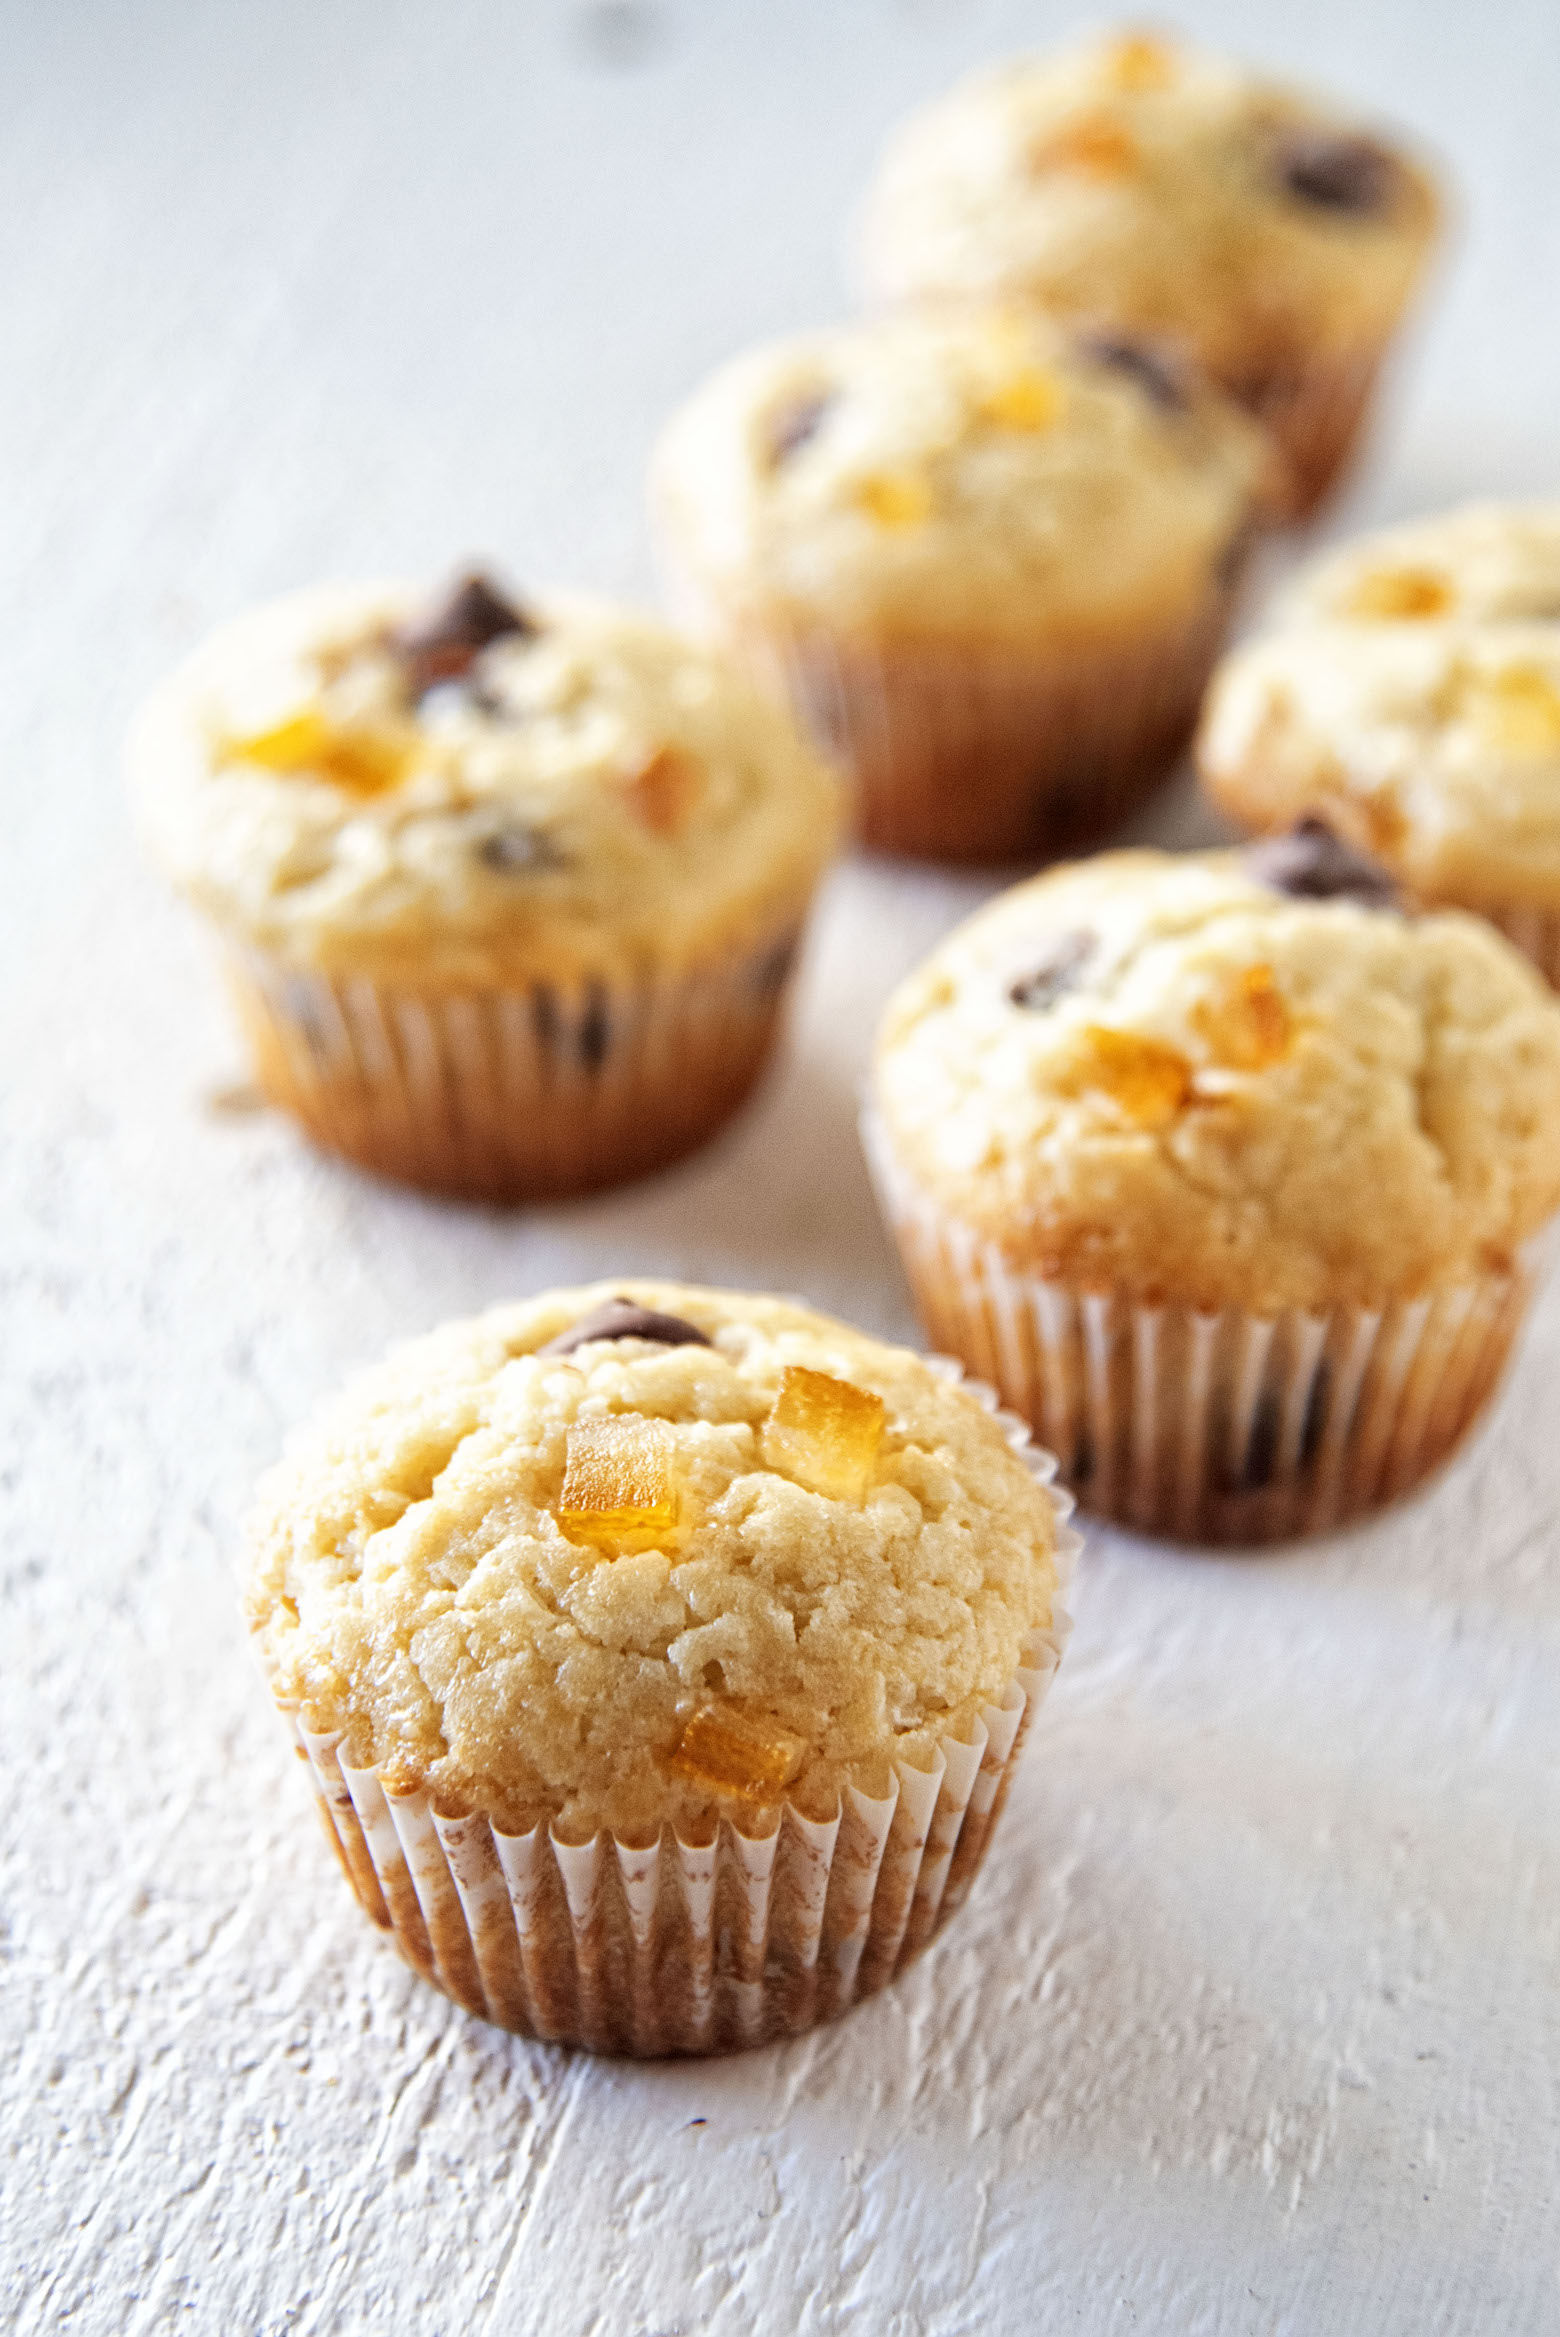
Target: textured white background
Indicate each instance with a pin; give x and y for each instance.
(1253, 2026)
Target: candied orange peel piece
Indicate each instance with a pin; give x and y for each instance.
(734, 1752)
(662, 794)
(1147, 1078)
(620, 1484)
(1095, 143)
(1028, 399)
(1251, 1026)
(1520, 709)
(895, 498)
(1401, 592)
(825, 1432)
(361, 760)
(1138, 63)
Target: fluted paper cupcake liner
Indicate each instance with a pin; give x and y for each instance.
(518, 1094)
(1227, 1427)
(988, 753)
(686, 1947)
(1316, 415)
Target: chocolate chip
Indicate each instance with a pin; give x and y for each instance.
(1153, 370)
(1056, 973)
(620, 1318)
(794, 423)
(518, 851)
(1312, 864)
(1337, 174)
(444, 642)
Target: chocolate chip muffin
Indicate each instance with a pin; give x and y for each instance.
(1408, 691)
(1150, 189)
(660, 1655)
(509, 892)
(1226, 1172)
(989, 559)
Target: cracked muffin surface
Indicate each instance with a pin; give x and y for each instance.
(482, 792)
(1140, 181)
(1159, 1076)
(1408, 689)
(412, 1580)
(991, 477)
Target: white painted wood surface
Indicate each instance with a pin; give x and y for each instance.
(1253, 2025)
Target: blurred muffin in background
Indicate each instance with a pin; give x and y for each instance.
(509, 893)
(991, 561)
(1408, 693)
(1151, 189)
(1226, 1173)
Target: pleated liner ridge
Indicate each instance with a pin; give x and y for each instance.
(1227, 1427)
(981, 752)
(514, 1094)
(688, 1947)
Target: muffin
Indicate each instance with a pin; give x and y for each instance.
(660, 1656)
(990, 561)
(509, 895)
(1226, 1172)
(1149, 189)
(1408, 693)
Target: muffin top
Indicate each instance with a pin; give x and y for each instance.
(987, 474)
(642, 1548)
(476, 790)
(1409, 690)
(1169, 1077)
(1145, 184)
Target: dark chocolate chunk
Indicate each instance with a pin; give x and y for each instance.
(517, 851)
(1338, 174)
(444, 642)
(620, 1318)
(795, 422)
(1312, 864)
(1154, 370)
(1056, 972)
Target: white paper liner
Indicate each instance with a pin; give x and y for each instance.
(984, 752)
(1228, 1427)
(515, 1094)
(686, 1947)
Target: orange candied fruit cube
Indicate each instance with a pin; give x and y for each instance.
(1095, 143)
(619, 1484)
(1148, 1079)
(1520, 708)
(895, 498)
(1138, 63)
(1251, 1027)
(360, 760)
(662, 793)
(735, 1753)
(825, 1432)
(1027, 400)
(1401, 592)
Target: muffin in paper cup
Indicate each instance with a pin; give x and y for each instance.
(660, 1657)
(989, 561)
(1143, 187)
(508, 897)
(1407, 693)
(1228, 1176)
